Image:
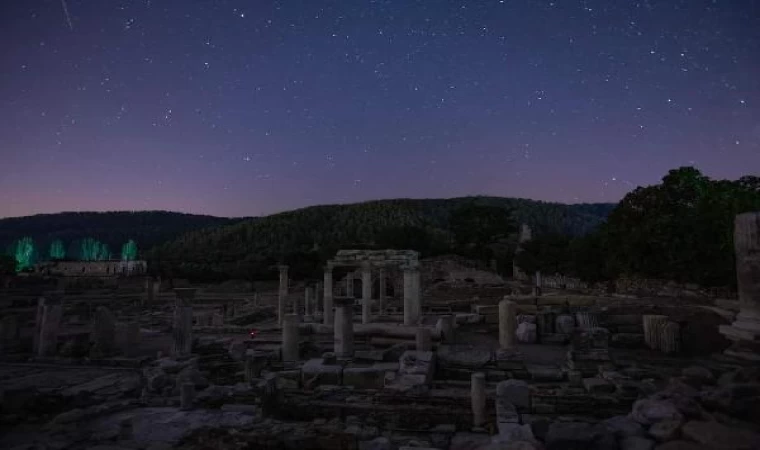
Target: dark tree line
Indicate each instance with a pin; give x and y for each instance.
(680, 229)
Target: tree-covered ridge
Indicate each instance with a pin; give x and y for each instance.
(681, 229)
(62, 235)
(313, 233)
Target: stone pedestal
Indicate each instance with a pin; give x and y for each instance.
(282, 293)
(327, 313)
(344, 329)
(478, 396)
(744, 332)
(183, 322)
(424, 340)
(366, 294)
(290, 338)
(507, 324)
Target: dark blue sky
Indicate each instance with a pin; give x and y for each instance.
(250, 107)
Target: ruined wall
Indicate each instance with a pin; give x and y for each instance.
(457, 270)
(96, 268)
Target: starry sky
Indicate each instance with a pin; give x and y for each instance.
(241, 108)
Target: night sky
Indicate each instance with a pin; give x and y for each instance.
(240, 108)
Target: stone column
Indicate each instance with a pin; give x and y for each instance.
(587, 320)
(417, 277)
(652, 324)
(381, 291)
(744, 332)
(348, 284)
(507, 324)
(670, 338)
(327, 313)
(307, 301)
(183, 322)
(409, 317)
(344, 329)
(318, 297)
(478, 394)
(290, 337)
(51, 320)
(38, 325)
(366, 293)
(282, 293)
(424, 340)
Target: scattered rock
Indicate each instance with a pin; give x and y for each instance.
(649, 411)
(624, 426)
(697, 376)
(526, 333)
(636, 443)
(680, 445)
(720, 437)
(665, 430)
(569, 435)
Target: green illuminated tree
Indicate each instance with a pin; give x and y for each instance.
(57, 251)
(24, 253)
(94, 250)
(129, 251)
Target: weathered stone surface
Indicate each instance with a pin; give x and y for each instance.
(697, 375)
(526, 333)
(516, 392)
(636, 443)
(624, 426)
(680, 445)
(665, 430)
(598, 386)
(565, 324)
(648, 411)
(364, 377)
(720, 437)
(542, 373)
(315, 372)
(569, 435)
(379, 443)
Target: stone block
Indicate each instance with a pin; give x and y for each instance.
(541, 373)
(315, 372)
(526, 333)
(486, 309)
(555, 339)
(509, 360)
(417, 363)
(551, 301)
(580, 301)
(364, 377)
(598, 386)
(527, 309)
(516, 392)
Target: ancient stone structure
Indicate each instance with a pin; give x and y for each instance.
(670, 338)
(282, 293)
(344, 329)
(131, 339)
(183, 321)
(290, 338)
(382, 290)
(368, 260)
(445, 328)
(507, 324)
(744, 332)
(478, 399)
(308, 301)
(652, 329)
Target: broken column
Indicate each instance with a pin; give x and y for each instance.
(307, 302)
(744, 332)
(381, 291)
(424, 340)
(282, 293)
(652, 324)
(478, 394)
(670, 338)
(366, 292)
(344, 329)
(51, 320)
(290, 337)
(411, 295)
(507, 324)
(183, 321)
(327, 312)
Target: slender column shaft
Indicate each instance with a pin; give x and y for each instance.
(327, 313)
(366, 294)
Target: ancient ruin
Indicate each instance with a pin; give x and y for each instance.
(420, 359)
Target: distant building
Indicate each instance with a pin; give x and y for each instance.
(103, 269)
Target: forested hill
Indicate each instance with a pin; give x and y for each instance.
(243, 247)
(146, 228)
